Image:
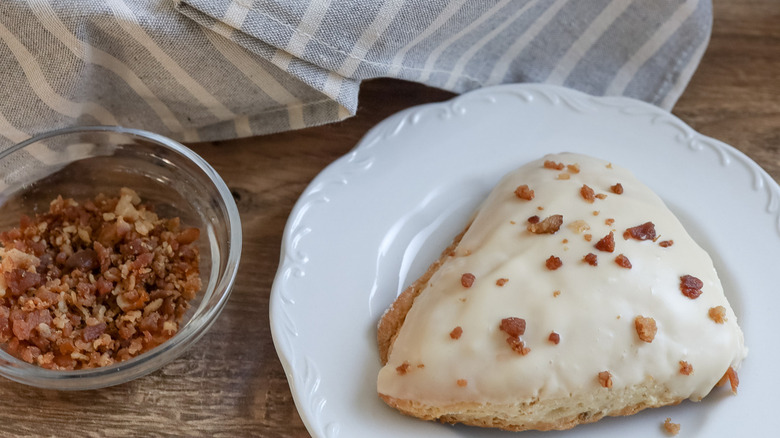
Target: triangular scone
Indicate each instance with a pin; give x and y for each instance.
(535, 318)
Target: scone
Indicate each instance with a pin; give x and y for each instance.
(574, 294)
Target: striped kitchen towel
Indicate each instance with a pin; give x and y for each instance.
(217, 69)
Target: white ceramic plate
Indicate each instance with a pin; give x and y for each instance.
(372, 221)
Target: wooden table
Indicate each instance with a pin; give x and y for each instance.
(231, 383)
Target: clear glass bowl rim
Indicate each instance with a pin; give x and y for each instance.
(191, 332)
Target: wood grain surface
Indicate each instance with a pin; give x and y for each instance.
(231, 384)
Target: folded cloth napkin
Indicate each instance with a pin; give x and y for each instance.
(218, 69)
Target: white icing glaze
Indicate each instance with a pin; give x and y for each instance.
(593, 314)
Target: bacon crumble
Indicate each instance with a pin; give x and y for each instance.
(555, 338)
(533, 219)
(732, 377)
(691, 286)
(607, 243)
(556, 293)
(579, 226)
(623, 261)
(524, 192)
(403, 368)
(518, 346)
(617, 189)
(564, 176)
(605, 379)
(550, 225)
(573, 168)
(553, 165)
(456, 332)
(501, 281)
(515, 327)
(666, 243)
(609, 222)
(591, 259)
(646, 231)
(601, 196)
(462, 383)
(686, 369)
(587, 194)
(645, 328)
(671, 428)
(94, 283)
(553, 263)
(718, 314)
(467, 280)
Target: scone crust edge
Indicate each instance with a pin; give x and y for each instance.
(394, 317)
(514, 417)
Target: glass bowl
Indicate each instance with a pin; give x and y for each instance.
(82, 162)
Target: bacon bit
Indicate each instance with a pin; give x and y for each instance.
(556, 293)
(553, 263)
(512, 222)
(666, 243)
(555, 338)
(645, 328)
(523, 192)
(609, 165)
(588, 237)
(518, 346)
(591, 259)
(718, 314)
(456, 332)
(579, 226)
(623, 261)
(513, 326)
(565, 241)
(686, 369)
(601, 196)
(92, 332)
(403, 368)
(564, 176)
(462, 383)
(501, 281)
(573, 168)
(605, 379)
(467, 280)
(691, 286)
(587, 194)
(533, 219)
(671, 428)
(553, 165)
(420, 365)
(595, 212)
(609, 222)
(550, 225)
(607, 243)
(540, 208)
(617, 189)
(646, 231)
(732, 377)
